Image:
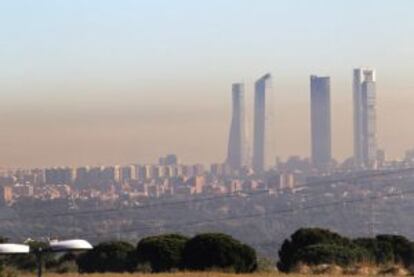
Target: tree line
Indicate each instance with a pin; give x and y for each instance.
(163, 253)
(315, 246)
(217, 251)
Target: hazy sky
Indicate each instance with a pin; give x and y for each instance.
(104, 81)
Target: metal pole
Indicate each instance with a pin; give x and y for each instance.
(39, 262)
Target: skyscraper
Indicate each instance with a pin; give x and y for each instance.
(237, 147)
(320, 121)
(263, 136)
(365, 141)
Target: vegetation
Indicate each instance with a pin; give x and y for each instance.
(115, 256)
(314, 246)
(307, 251)
(209, 251)
(162, 253)
(196, 274)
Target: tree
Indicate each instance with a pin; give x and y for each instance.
(302, 238)
(380, 252)
(215, 250)
(163, 252)
(330, 254)
(114, 256)
(402, 248)
(29, 262)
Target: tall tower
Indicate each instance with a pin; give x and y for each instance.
(320, 121)
(237, 147)
(263, 136)
(365, 141)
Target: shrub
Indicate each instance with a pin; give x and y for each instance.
(162, 253)
(402, 248)
(9, 272)
(330, 254)
(218, 251)
(305, 237)
(115, 256)
(315, 246)
(265, 265)
(380, 252)
(29, 262)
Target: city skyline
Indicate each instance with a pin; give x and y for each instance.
(128, 82)
(364, 123)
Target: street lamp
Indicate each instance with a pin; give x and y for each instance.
(69, 245)
(13, 248)
(61, 246)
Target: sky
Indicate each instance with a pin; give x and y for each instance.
(85, 82)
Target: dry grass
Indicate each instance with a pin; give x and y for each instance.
(187, 274)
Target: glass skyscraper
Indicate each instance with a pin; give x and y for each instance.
(365, 139)
(320, 121)
(237, 146)
(263, 135)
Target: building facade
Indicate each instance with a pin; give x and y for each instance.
(320, 90)
(264, 154)
(237, 146)
(365, 138)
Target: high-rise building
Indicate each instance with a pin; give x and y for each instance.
(237, 146)
(263, 136)
(365, 141)
(320, 121)
(6, 195)
(170, 159)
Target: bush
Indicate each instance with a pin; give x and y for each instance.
(66, 267)
(306, 237)
(9, 272)
(218, 251)
(330, 254)
(265, 265)
(402, 248)
(380, 252)
(315, 246)
(29, 262)
(115, 256)
(162, 253)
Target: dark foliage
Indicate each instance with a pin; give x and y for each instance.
(115, 256)
(29, 262)
(318, 246)
(218, 251)
(380, 252)
(163, 252)
(302, 238)
(330, 254)
(402, 248)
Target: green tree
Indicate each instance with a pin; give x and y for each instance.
(330, 254)
(163, 252)
(114, 256)
(402, 248)
(303, 238)
(215, 250)
(29, 262)
(380, 252)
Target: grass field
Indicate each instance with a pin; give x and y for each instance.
(196, 274)
(316, 271)
(199, 274)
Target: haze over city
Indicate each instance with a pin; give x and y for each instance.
(132, 80)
